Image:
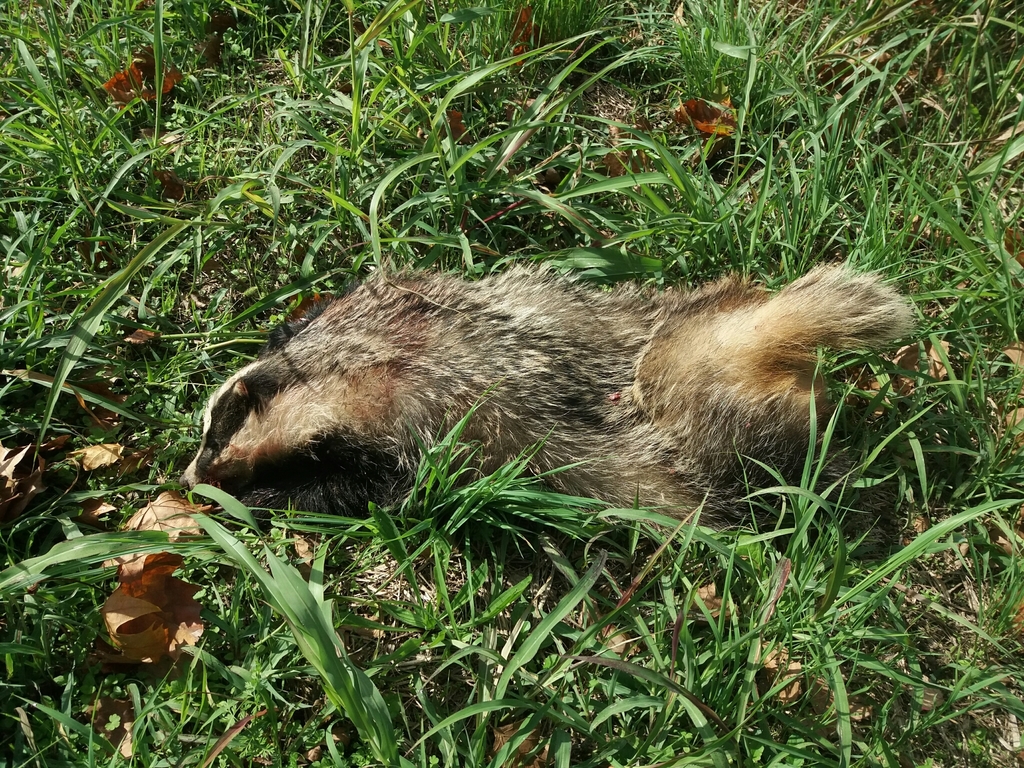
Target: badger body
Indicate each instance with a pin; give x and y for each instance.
(669, 399)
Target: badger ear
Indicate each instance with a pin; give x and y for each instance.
(257, 388)
(299, 320)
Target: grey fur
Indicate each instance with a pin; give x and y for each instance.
(658, 394)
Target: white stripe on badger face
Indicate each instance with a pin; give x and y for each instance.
(190, 477)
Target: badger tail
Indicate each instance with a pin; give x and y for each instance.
(831, 307)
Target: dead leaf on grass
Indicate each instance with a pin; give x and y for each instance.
(778, 666)
(502, 734)
(170, 512)
(523, 36)
(707, 117)
(171, 186)
(21, 478)
(152, 613)
(113, 719)
(708, 596)
(456, 128)
(141, 336)
(92, 511)
(1016, 353)
(909, 359)
(95, 457)
(1013, 421)
(139, 79)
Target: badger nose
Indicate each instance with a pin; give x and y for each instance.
(185, 482)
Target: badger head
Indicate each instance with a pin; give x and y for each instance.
(296, 428)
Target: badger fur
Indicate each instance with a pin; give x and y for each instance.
(669, 399)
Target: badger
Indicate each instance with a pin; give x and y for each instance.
(673, 400)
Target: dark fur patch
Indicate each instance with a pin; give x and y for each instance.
(284, 333)
(334, 475)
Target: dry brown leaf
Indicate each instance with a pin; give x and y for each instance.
(708, 595)
(93, 510)
(523, 36)
(113, 719)
(133, 461)
(172, 187)
(708, 118)
(1016, 353)
(821, 695)
(909, 359)
(1013, 420)
(1013, 239)
(152, 613)
(21, 478)
(170, 512)
(140, 79)
(141, 336)
(98, 456)
(456, 127)
(777, 664)
(520, 758)
(54, 444)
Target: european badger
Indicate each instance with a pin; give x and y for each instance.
(664, 399)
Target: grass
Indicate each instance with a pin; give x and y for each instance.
(479, 620)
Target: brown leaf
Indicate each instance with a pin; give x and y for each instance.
(708, 118)
(169, 512)
(172, 187)
(152, 613)
(220, 22)
(98, 456)
(909, 359)
(139, 80)
(708, 595)
(1014, 423)
(93, 510)
(211, 49)
(456, 127)
(502, 734)
(523, 36)
(1016, 353)
(141, 336)
(1013, 240)
(113, 719)
(21, 478)
(778, 666)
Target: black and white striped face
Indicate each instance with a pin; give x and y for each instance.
(289, 430)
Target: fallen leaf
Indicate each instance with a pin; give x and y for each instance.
(211, 49)
(220, 22)
(133, 461)
(113, 719)
(456, 128)
(1013, 420)
(98, 456)
(523, 37)
(170, 512)
(708, 118)
(139, 80)
(821, 695)
(141, 336)
(21, 478)
(779, 667)
(502, 734)
(152, 613)
(172, 187)
(909, 359)
(1016, 353)
(1013, 240)
(708, 595)
(93, 510)
(54, 444)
